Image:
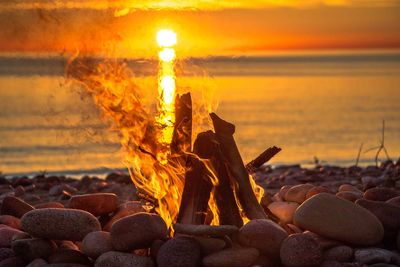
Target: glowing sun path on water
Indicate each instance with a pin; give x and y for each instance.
(166, 40)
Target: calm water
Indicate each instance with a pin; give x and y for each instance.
(310, 106)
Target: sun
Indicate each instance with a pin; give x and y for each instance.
(166, 38)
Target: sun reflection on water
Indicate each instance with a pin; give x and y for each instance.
(166, 39)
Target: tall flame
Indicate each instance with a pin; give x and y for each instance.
(146, 133)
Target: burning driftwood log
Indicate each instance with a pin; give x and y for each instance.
(182, 135)
(214, 156)
(196, 192)
(244, 191)
(262, 158)
(209, 148)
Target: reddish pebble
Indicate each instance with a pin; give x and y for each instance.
(137, 231)
(126, 209)
(6, 235)
(54, 205)
(96, 243)
(11, 221)
(380, 194)
(394, 201)
(349, 195)
(298, 193)
(300, 250)
(15, 206)
(97, 204)
(316, 190)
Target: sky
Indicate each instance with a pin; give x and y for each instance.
(204, 28)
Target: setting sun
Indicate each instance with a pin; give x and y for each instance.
(166, 38)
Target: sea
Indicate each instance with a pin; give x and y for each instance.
(318, 107)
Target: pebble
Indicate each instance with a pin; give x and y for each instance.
(97, 204)
(372, 255)
(283, 210)
(263, 261)
(126, 209)
(66, 244)
(11, 221)
(59, 189)
(179, 251)
(232, 257)
(6, 235)
(19, 191)
(15, 206)
(37, 263)
(300, 250)
(264, 235)
(398, 241)
(380, 194)
(394, 201)
(21, 235)
(155, 247)
(316, 190)
(59, 224)
(351, 196)
(121, 259)
(339, 253)
(349, 187)
(293, 229)
(137, 231)
(331, 264)
(388, 214)
(96, 243)
(277, 197)
(283, 190)
(53, 204)
(69, 256)
(30, 249)
(210, 245)
(12, 262)
(6, 253)
(298, 193)
(335, 218)
(210, 230)
(382, 265)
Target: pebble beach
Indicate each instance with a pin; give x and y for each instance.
(322, 216)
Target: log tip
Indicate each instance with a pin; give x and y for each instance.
(222, 126)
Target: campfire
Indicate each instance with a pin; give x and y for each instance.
(200, 181)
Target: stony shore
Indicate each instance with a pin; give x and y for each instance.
(323, 216)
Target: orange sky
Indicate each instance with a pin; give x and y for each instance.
(223, 28)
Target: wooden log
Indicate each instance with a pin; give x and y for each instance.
(182, 136)
(196, 191)
(209, 148)
(264, 157)
(224, 133)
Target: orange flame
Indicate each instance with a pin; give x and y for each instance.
(146, 133)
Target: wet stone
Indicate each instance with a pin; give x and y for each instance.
(97, 204)
(137, 231)
(121, 259)
(232, 257)
(96, 243)
(179, 251)
(59, 224)
(15, 207)
(300, 250)
(264, 235)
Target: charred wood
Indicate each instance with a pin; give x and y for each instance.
(224, 133)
